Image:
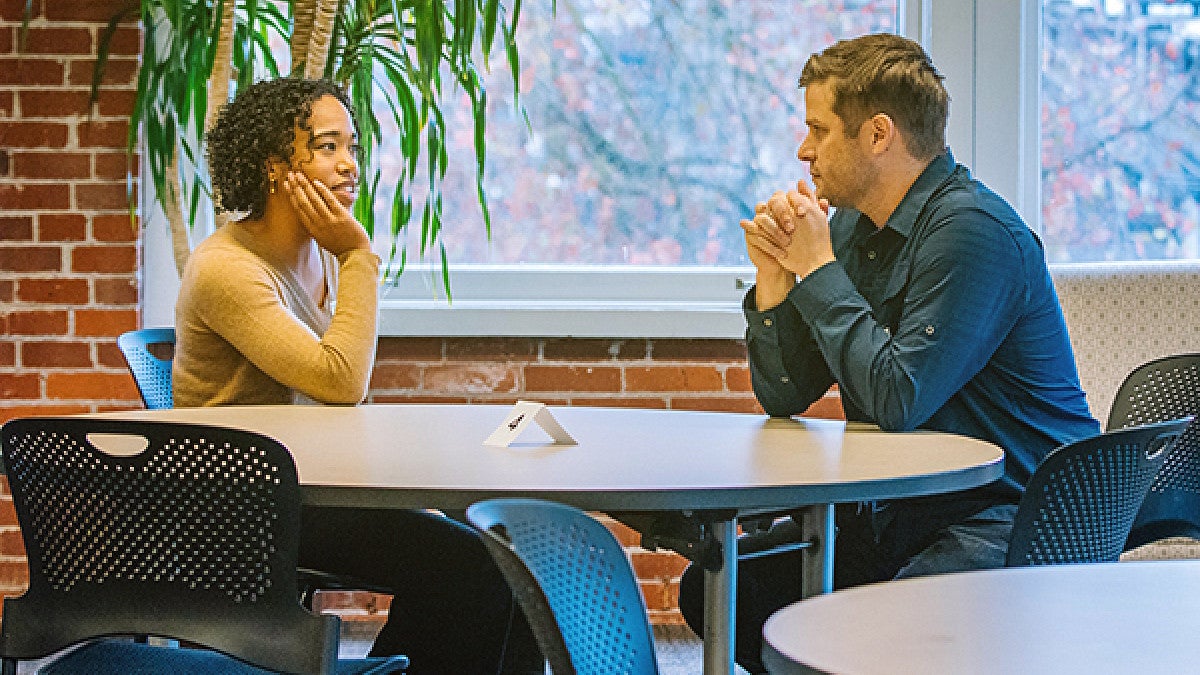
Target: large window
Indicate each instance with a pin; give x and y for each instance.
(653, 127)
(1120, 129)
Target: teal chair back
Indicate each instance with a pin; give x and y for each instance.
(574, 583)
(151, 373)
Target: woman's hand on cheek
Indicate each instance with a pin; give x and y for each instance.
(330, 223)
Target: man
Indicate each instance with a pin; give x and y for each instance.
(925, 298)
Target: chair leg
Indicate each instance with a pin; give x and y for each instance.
(9, 667)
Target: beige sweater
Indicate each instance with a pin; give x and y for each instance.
(247, 333)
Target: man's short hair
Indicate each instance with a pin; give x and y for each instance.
(885, 73)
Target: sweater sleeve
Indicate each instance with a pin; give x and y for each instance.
(244, 306)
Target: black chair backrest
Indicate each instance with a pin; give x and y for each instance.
(574, 583)
(151, 373)
(153, 528)
(1080, 503)
(1165, 389)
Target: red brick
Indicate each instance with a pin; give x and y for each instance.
(11, 543)
(91, 386)
(732, 403)
(14, 10)
(8, 514)
(33, 134)
(621, 401)
(56, 355)
(395, 376)
(31, 72)
(827, 407)
(8, 354)
(109, 356)
(47, 40)
(40, 410)
(56, 291)
(20, 386)
(572, 349)
(626, 535)
(45, 322)
(104, 322)
(52, 165)
(94, 133)
(409, 349)
(115, 228)
(53, 103)
(7, 101)
(490, 348)
(116, 291)
(113, 258)
(572, 378)
(416, 398)
(737, 378)
(85, 11)
(707, 350)
(8, 290)
(655, 593)
(14, 574)
(673, 378)
(109, 196)
(126, 40)
(30, 259)
(114, 165)
(33, 196)
(61, 227)
(658, 565)
(16, 228)
(8, 39)
(474, 378)
(117, 72)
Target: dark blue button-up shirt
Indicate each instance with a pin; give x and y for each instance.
(945, 319)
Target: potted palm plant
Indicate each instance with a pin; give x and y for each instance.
(396, 58)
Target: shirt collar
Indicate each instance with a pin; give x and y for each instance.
(905, 215)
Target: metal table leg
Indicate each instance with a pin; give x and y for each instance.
(720, 599)
(817, 526)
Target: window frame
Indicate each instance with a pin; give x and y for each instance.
(694, 302)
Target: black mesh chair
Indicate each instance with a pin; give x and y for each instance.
(1080, 503)
(574, 583)
(187, 532)
(1165, 389)
(151, 372)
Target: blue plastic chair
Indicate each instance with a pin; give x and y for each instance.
(1081, 502)
(1161, 390)
(182, 531)
(573, 581)
(151, 373)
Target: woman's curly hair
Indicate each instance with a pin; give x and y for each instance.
(256, 127)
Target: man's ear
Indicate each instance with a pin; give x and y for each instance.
(882, 130)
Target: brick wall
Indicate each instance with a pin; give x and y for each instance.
(69, 284)
(68, 251)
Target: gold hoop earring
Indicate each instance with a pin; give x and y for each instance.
(271, 185)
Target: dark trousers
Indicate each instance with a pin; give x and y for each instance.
(869, 547)
(452, 611)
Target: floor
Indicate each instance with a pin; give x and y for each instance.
(679, 650)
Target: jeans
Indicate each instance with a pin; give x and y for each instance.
(914, 540)
(452, 611)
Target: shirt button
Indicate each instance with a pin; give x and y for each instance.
(785, 379)
(768, 323)
(871, 255)
(929, 330)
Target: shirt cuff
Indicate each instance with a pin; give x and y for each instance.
(817, 292)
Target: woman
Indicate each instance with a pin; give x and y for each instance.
(279, 306)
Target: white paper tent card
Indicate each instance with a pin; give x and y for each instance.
(521, 416)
